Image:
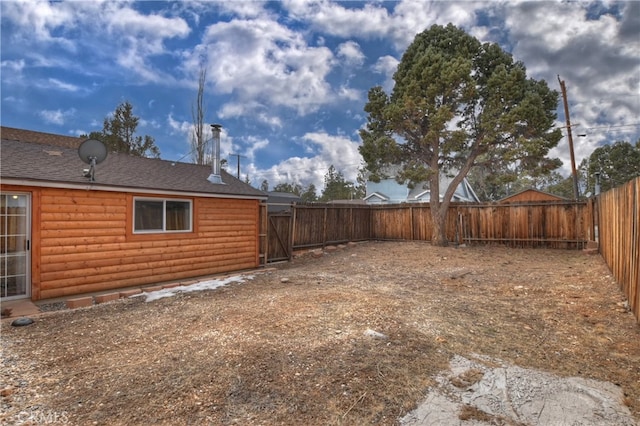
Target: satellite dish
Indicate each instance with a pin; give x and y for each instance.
(92, 152)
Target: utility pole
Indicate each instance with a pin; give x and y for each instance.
(238, 156)
(573, 159)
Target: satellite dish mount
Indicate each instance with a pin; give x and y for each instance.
(92, 152)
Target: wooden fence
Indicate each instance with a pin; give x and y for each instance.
(566, 224)
(552, 224)
(619, 238)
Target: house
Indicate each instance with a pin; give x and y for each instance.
(281, 201)
(531, 195)
(389, 191)
(141, 221)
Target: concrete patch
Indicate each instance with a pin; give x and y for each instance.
(486, 391)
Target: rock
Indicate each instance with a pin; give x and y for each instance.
(20, 322)
(317, 253)
(374, 334)
(284, 280)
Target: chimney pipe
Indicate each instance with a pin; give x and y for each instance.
(215, 177)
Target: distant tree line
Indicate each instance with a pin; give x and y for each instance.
(336, 187)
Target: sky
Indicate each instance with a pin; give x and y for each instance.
(288, 80)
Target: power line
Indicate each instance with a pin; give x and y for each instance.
(192, 151)
(617, 126)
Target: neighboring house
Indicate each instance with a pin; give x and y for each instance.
(389, 191)
(531, 195)
(281, 201)
(141, 221)
(348, 202)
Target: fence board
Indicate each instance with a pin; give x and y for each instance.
(619, 238)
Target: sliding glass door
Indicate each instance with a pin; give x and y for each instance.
(14, 246)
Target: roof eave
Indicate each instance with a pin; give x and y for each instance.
(109, 188)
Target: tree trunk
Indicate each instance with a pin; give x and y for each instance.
(439, 228)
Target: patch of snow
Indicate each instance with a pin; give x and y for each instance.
(511, 394)
(201, 286)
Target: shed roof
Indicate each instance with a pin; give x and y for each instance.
(531, 194)
(45, 165)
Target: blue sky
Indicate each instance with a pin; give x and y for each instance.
(288, 80)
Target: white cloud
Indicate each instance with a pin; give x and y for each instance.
(57, 116)
(152, 28)
(255, 144)
(39, 19)
(54, 83)
(594, 56)
(374, 21)
(184, 130)
(351, 53)
(412, 17)
(387, 65)
(141, 37)
(16, 66)
(262, 62)
(349, 93)
(339, 151)
(113, 31)
(249, 108)
(244, 9)
(368, 21)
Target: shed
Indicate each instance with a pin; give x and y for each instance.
(531, 195)
(142, 220)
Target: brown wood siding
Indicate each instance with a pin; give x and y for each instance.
(83, 242)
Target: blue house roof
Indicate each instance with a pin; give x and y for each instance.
(389, 191)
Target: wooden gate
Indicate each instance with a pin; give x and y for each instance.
(279, 237)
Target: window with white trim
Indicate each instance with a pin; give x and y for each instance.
(153, 215)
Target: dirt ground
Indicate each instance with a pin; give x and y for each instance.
(356, 336)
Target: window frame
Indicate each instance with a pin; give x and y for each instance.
(164, 229)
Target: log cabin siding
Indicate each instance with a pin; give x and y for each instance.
(86, 242)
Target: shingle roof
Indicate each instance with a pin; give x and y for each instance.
(36, 162)
(13, 134)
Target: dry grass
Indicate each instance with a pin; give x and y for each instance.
(274, 351)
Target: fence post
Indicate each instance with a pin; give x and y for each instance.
(292, 229)
(263, 230)
(324, 227)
